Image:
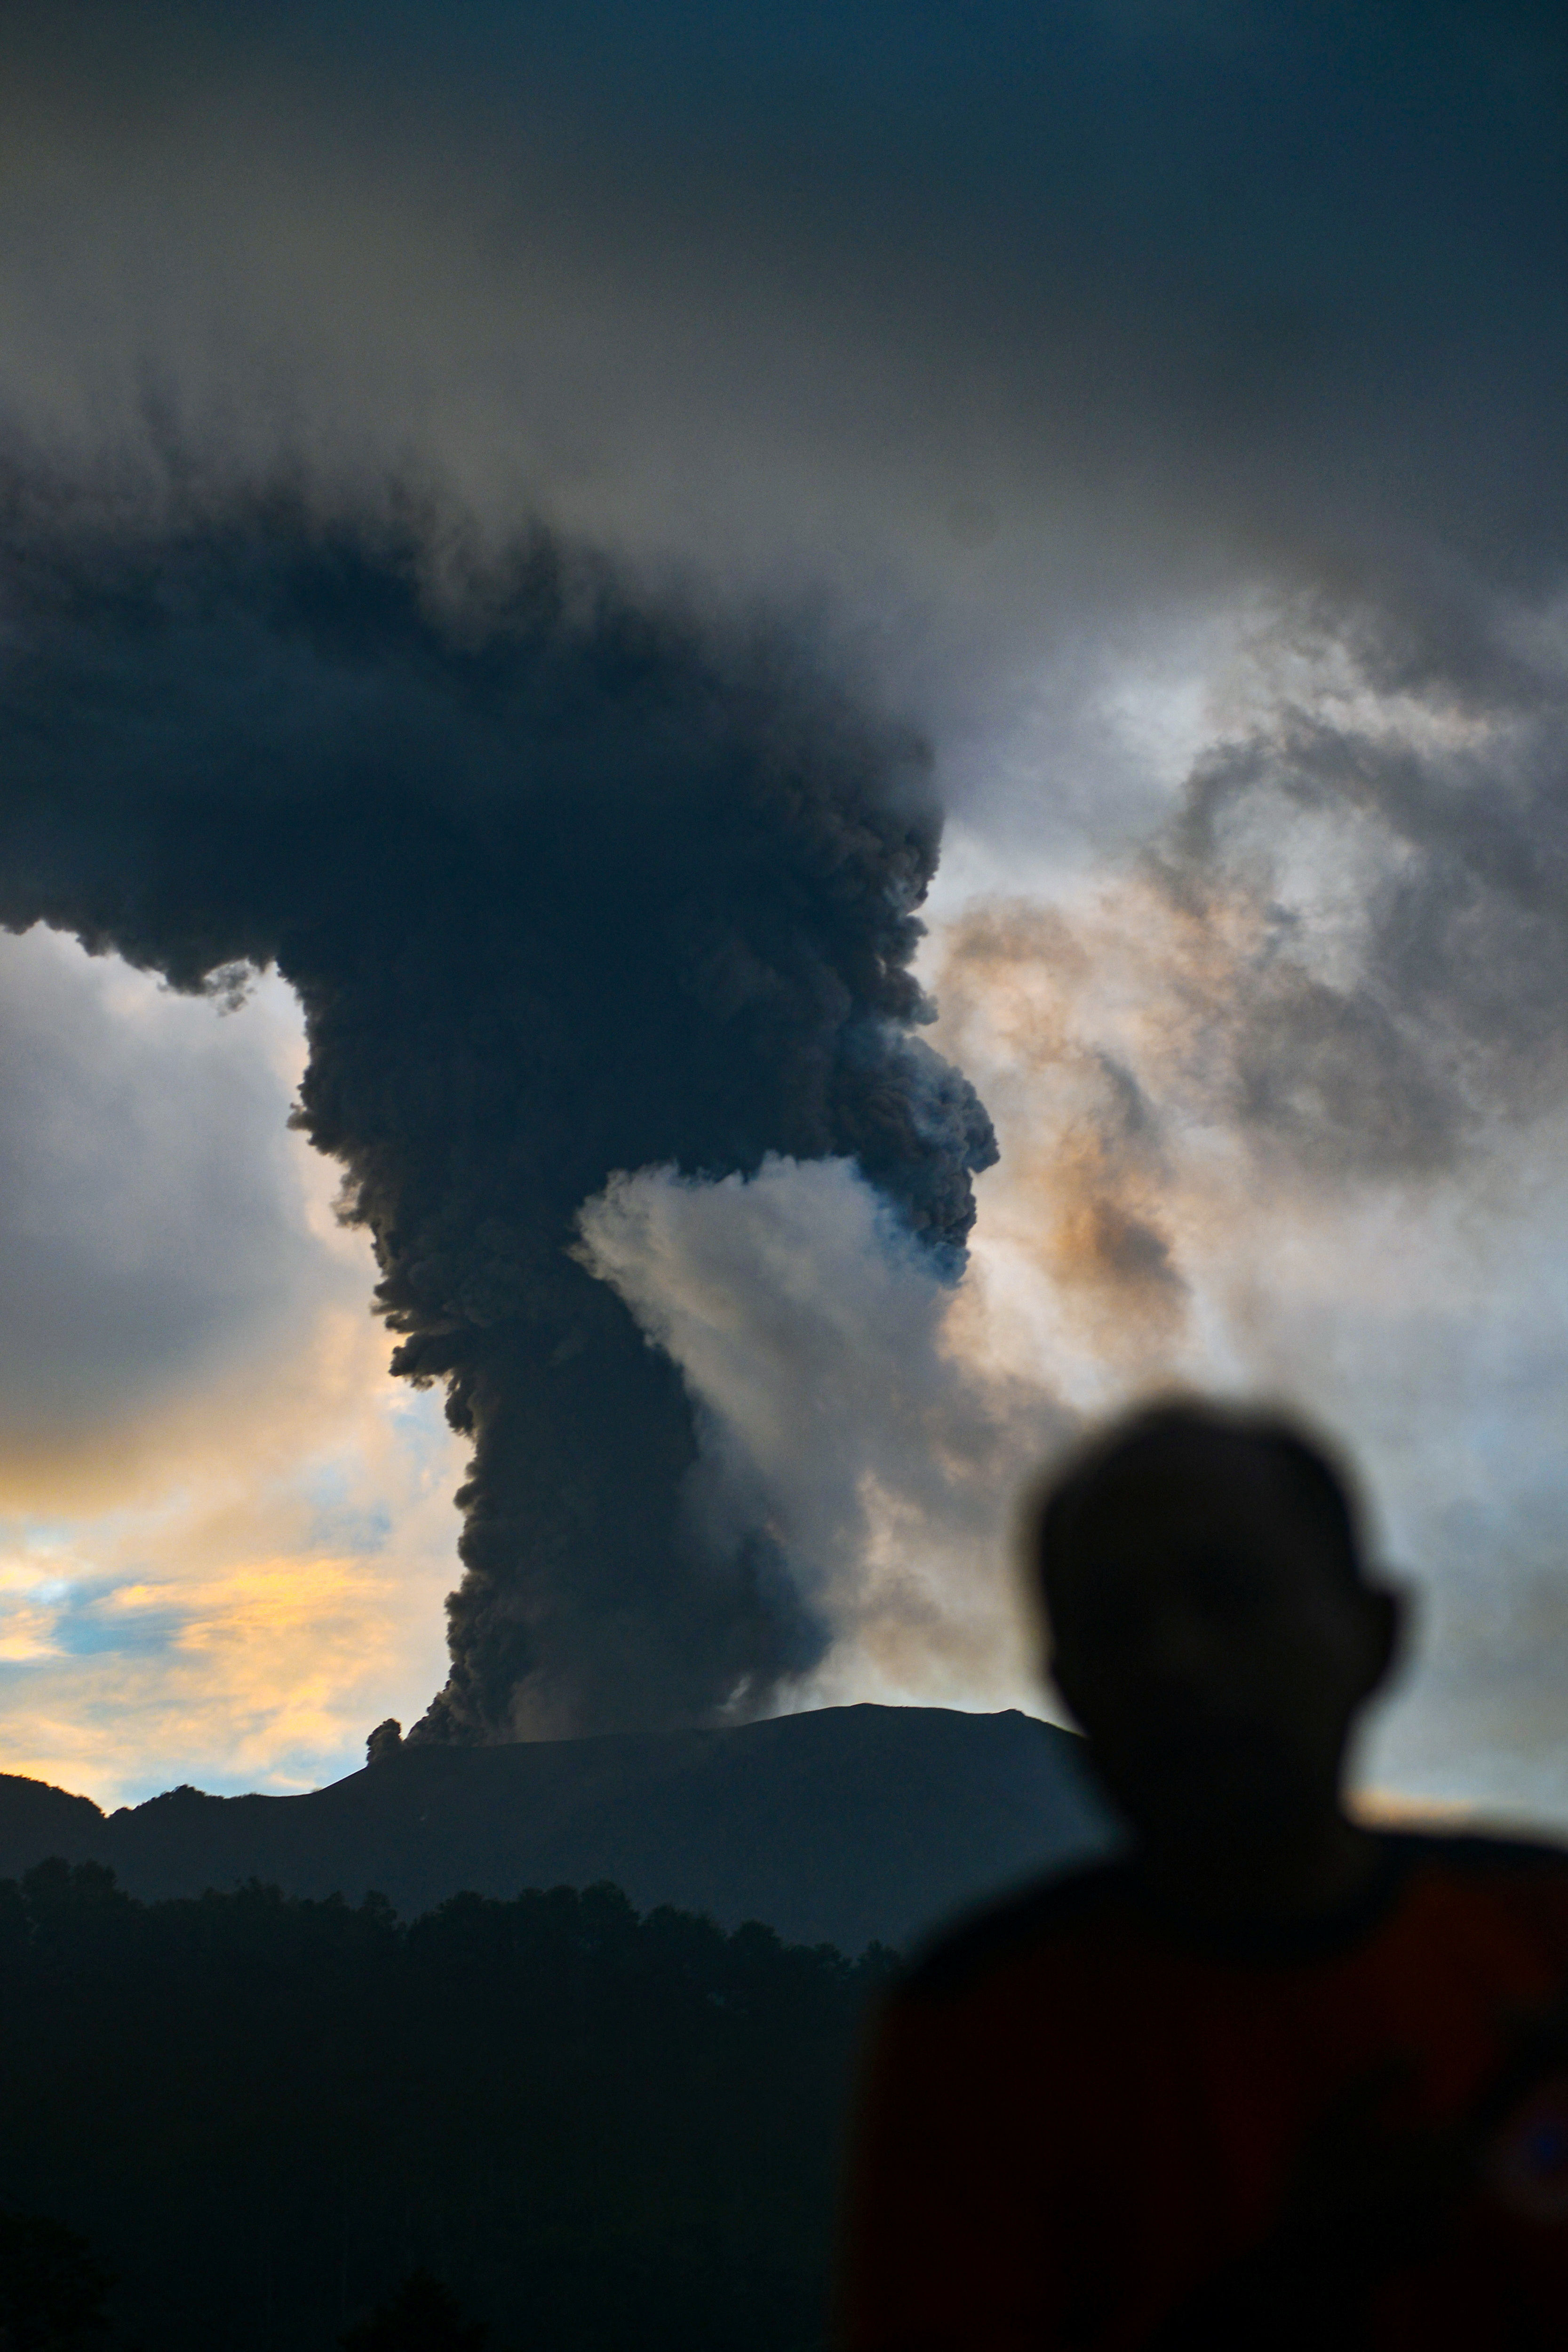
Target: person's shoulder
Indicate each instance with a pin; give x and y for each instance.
(1050, 1911)
(1521, 1879)
(1479, 1854)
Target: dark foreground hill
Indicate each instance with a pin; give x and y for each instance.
(599, 2133)
(846, 1826)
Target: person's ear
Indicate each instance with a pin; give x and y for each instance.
(1389, 1614)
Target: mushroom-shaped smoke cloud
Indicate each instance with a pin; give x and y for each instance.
(565, 888)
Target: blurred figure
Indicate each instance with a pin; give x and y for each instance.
(1273, 2080)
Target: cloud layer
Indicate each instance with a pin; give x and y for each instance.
(996, 322)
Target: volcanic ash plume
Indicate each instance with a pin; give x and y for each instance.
(564, 890)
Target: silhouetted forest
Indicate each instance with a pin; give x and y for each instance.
(275, 2123)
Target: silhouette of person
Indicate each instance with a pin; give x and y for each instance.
(1267, 2078)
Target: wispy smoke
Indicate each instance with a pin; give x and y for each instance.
(1393, 826)
(849, 1408)
(565, 888)
(1339, 961)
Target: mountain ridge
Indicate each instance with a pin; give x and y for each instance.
(844, 1825)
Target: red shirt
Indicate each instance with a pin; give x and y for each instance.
(1076, 2126)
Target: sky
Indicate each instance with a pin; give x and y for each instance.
(1156, 410)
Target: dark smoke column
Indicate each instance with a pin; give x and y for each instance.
(563, 890)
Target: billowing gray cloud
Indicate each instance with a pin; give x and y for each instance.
(564, 886)
(996, 321)
(1430, 800)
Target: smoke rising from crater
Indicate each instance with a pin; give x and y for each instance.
(566, 887)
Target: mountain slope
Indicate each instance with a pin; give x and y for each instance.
(843, 1826)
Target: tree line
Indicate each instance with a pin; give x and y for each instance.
(274, 2123)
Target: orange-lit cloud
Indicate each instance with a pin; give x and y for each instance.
(225, 1563)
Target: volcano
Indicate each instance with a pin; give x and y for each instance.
(847, 1825)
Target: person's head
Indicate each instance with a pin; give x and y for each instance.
(1213, 1626)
